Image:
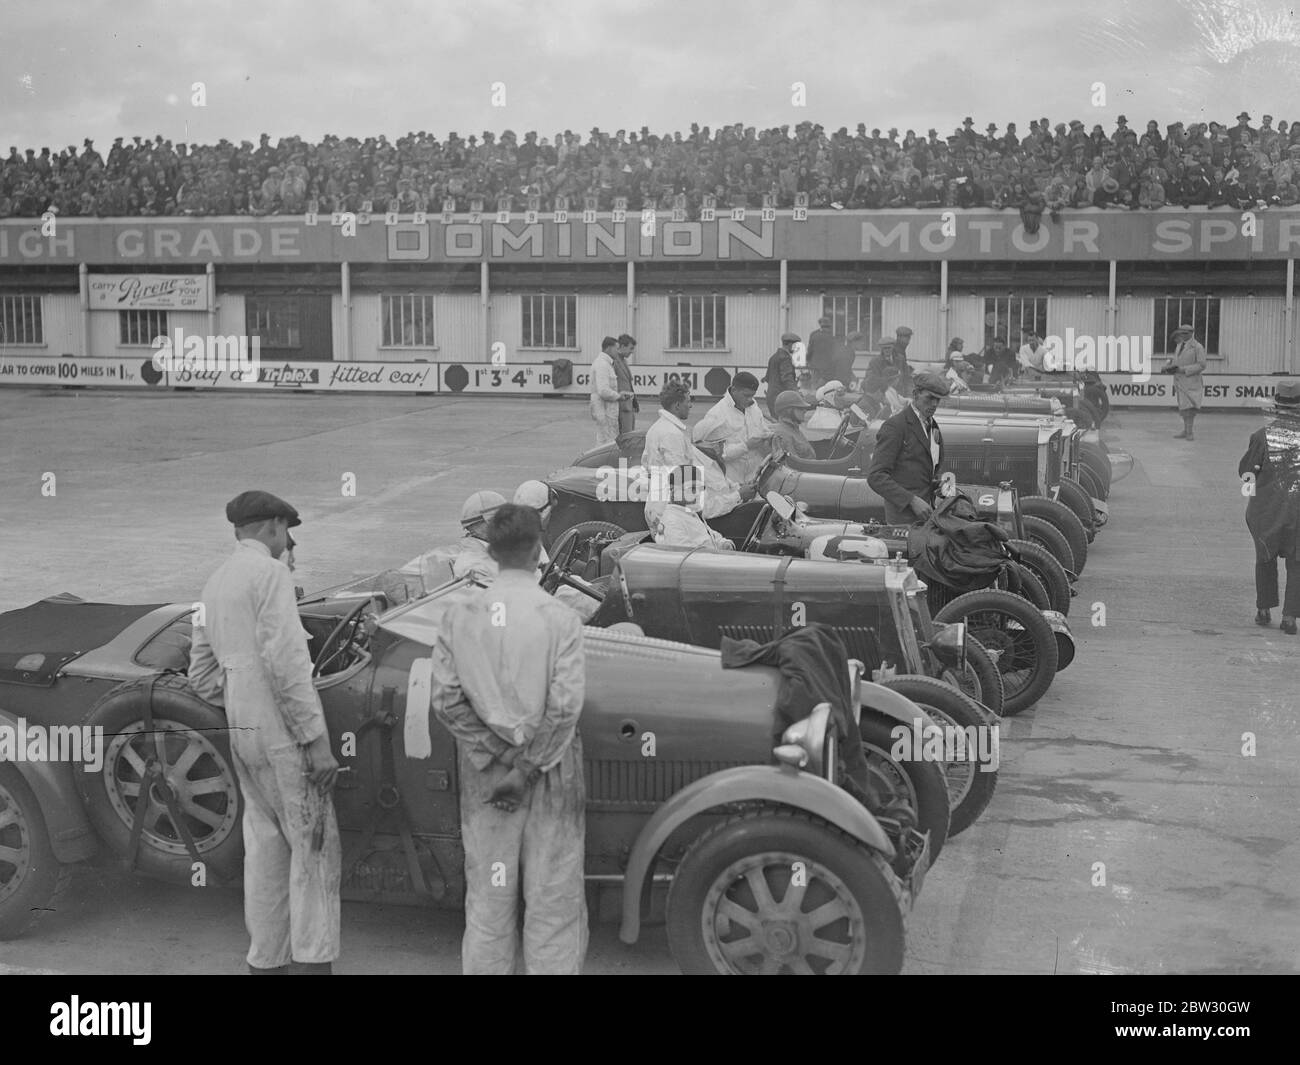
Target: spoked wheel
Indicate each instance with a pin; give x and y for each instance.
(770, 892)
(1014, 627)
(186, 755)
(1065, 520)
(982, 667)
(970, 784)
(1079, 501)
(29, 873)
(1043, 565)
(913, 792)
(1051, 539)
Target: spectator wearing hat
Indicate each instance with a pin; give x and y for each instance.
(1242, 130)
(956, 370)
(629, 407)
(821, 351)
(1271, 467)
(781, 375)
(249, 655)
(909, 454)
(606, 396)
(791, 412)
(1187, 364)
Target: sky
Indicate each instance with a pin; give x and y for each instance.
(71, 69)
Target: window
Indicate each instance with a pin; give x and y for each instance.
(407, 321)
(549, 321)
(1200, 312)
(275, 319)
(854, 316)
(135, 328)
(1012, 316)
(20, 320)
(697, 323)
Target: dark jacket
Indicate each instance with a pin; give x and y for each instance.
(780, 377)
(1273, 512)
(814, 669)
(955, 549)
(901, 466)
(821, 352)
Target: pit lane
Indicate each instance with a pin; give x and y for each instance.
(1133, 758)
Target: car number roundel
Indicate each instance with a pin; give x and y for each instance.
(987, 500)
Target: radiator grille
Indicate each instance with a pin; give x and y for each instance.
(645, 782)
(998, 468)
(860, 641)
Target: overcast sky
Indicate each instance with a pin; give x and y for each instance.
(69, 69)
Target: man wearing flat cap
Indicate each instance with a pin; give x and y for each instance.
(1187, 364)
(781, 375)
(1271, 472)
(249, 654)
(909, 453)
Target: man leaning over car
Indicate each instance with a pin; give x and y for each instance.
(909, 453)
(249, 654)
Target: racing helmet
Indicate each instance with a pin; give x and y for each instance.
(478, 508)
(535, 494)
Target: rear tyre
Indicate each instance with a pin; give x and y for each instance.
(1064, 519)
(1098, 464)
(734, 906)
(1042, 532)
(30, 874)
(191, 742)
(919, 784)
(969, 788)
(993, 693)
(1050, 573)
(1015, 627)
(1032, 590)
(1074, 497)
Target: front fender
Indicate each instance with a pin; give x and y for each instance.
(783, 785)
(890, 703)
(55, 788)
(1064, 638)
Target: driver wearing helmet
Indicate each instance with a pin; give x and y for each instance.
(680, 524)
(467, 555)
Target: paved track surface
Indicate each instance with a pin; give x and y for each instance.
(1133, 759)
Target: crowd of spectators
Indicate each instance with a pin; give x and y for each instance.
(1049, 168)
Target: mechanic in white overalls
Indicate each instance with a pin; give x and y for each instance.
(508, 683)
(249, 654)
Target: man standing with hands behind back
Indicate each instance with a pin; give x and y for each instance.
(909, 453)
(508, 683)
(249, 654)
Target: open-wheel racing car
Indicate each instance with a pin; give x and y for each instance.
(730, 806)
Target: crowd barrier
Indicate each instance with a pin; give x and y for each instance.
(513, 379)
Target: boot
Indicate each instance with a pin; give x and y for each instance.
(1190, 417)
(1263, 617)
(1288, 625)
(311, 968)
(1187, 430)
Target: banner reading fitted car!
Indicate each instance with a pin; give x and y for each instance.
(296, 376)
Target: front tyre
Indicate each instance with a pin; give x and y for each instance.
(778, 891)
(912, 792)
(30, 875)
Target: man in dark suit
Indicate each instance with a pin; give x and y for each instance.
(909, 454)
(781, 375)
(1271, 472)
(821, 352)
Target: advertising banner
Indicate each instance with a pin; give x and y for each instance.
(292, 376)
(1080, 235)
(1221, 390)
(105, 373)
(148, 292)
(519, 379)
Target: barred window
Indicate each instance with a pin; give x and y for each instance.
(21, 321)
(276, 320)
(855, 316)
(407, 320)
(1011, 317)
(140, 328)
(697, 323)
(1200, 312)
(549, 321)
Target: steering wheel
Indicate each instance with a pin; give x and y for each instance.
(841, 434)
(770, 463)
(557, 569)
(328, 651)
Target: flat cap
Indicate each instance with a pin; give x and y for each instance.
(789, 336)
(256, 505)
(1184, 327)
(930, 382)
(791, 400)
(1288, 393)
